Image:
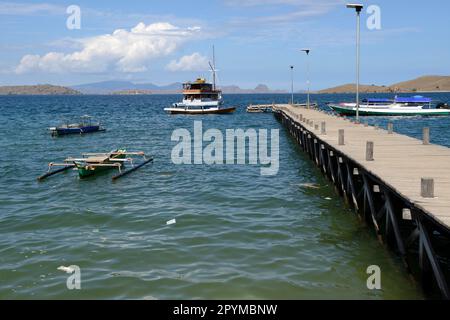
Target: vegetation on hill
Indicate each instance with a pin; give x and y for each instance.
(44, 89)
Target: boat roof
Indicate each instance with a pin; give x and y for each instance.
(419, 99)
(198, 81)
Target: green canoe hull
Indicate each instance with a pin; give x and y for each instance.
(84, 170)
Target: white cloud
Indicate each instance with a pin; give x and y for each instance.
(193, 62)
(123, 51)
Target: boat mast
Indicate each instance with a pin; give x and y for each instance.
(214, 69)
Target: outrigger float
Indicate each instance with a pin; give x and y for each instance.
(92, 163)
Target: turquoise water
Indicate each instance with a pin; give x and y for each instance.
(239, 235)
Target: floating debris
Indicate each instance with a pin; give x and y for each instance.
(328, 198)
(310, 185)
(173, 221)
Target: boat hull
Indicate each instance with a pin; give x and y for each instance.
(200, 111)
(85, 170)
(351, 111)
(80, 130)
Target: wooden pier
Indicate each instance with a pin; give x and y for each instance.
(397, 184)
(261, 108)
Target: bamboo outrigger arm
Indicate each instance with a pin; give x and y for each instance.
(121, 174)
(140, 153)
(112, 165)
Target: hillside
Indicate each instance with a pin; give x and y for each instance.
(422, 84)
(349, 88)
(42, 89)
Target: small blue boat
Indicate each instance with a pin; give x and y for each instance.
(86, 125)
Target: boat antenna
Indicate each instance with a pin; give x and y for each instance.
(213, 69)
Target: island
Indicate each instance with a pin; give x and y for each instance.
(41, 89)
(421, 84)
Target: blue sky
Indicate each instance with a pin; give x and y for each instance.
(256, 41)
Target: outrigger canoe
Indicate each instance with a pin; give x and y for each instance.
(92, 163)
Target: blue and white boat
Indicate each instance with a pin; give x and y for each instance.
(86, 125)
(399, 106)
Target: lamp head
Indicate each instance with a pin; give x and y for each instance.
(358, 7)
(306, 50)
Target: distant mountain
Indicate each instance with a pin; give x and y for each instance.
(132, 92)
(127, 87)
(108, 87)
(421, 84)
(262, 88)
(40, 89)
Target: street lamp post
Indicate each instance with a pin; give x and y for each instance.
(358, 8)
(292, 85)
(307, 51)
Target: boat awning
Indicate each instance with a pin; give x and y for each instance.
(415, 99)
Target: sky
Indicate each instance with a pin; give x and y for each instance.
(256, 41)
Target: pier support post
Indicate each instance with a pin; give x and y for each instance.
(426, 136)
(369, 151)
(427, 188)
(341, 137)
(323, 129)
(390, 128)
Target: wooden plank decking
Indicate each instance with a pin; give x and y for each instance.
(399, 161)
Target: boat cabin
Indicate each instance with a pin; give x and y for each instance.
(200, 90)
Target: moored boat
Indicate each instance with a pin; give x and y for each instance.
(399, 106)
(201, 97)
(86, 125)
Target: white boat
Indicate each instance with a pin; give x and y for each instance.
(399, 106)
(201, 97)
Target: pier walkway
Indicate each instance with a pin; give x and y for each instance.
(398, 184)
